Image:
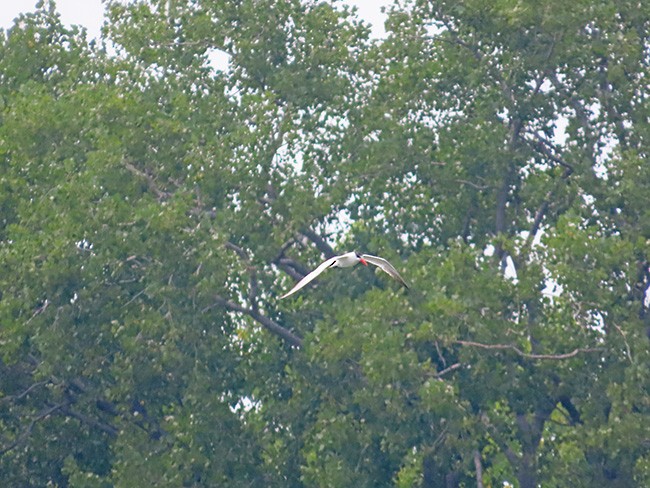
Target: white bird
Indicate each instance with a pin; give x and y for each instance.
(346, 261)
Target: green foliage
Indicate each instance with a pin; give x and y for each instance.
(153, 208)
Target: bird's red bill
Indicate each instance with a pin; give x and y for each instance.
(363, 261)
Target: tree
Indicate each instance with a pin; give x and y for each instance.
(155, 207)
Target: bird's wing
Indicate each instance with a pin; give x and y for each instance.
(321, 267)
(385, 266)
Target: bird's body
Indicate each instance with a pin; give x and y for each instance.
(347, 260)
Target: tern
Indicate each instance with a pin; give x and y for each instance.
(347, 260)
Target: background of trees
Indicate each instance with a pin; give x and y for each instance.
(153, 209)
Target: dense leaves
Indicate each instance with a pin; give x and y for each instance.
(155, 204)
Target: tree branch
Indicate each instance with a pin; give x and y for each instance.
(627, 346)
(269, 324)
(290, 271)
(85, 419)
(518, 351)
(500, 215)
(537, 221)
(253, 288)
(151, 184)
(440, 356)
(473, 185)
(573, 413)
(479, 469)
(544, 147)
(319, 242)
(292, 267)
(288, 265)
(283, 249)
(448, 370)
(28, 430)
(238, 250)
(11, 398)
(295, 265)
(513, 457)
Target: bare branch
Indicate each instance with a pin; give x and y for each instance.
(513, 458)
(319, 242)
(290, 271)
(473, 185)
(537, 221)
(627, 346)
(500, 214)
(572, 414)
(85, 419)
(28, 430)
(151, 183)
(299, 268)
(253, 287)
(479, 469)
(544, 147)
(289, 266)
(240, 251)
(269, 324)
(292, 267)
(543, 208)
(501, 203)
(518, 351)
(440, 356)
(11, 398)
(448, 370)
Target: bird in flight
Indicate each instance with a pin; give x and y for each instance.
(347, 260)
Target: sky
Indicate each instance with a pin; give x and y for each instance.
(89, 13)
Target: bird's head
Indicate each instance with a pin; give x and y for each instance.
(361, 260)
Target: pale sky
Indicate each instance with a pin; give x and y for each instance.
(89, 13)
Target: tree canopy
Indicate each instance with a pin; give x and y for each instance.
(154, 206)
